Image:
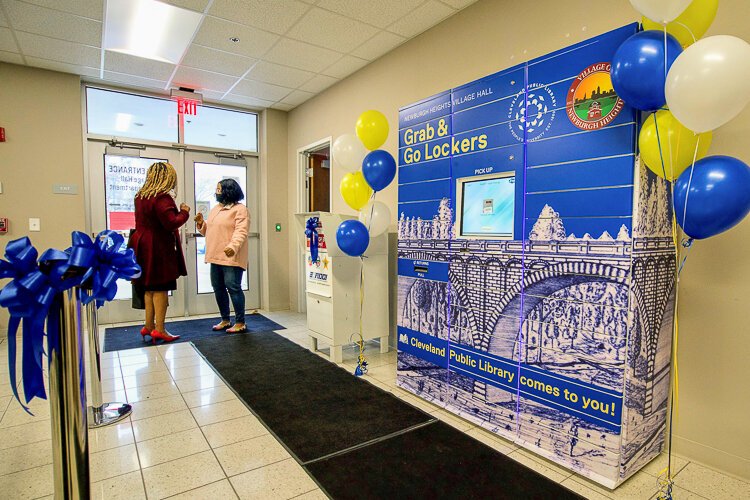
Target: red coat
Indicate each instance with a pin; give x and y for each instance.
(156, 240)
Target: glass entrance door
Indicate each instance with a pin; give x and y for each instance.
(119, 173)
(203, 172)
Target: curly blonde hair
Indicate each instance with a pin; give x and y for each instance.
(160, 178)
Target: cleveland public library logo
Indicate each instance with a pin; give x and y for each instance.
(403, 338)
(592, 102)
(532, 112)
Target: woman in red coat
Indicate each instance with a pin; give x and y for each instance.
(156, 243)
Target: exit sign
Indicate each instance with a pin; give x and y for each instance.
(186, 107)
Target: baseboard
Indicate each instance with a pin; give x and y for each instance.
(712, 457)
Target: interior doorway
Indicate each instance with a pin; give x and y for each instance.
(318, 179)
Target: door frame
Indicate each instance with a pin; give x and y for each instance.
(301, 206)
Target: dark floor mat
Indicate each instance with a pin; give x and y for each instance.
(313, 406)
(433, 461)
(129, 337)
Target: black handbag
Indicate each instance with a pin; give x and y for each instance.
(139, 299)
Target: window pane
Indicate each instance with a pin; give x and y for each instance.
(119, 115)
(222, 128)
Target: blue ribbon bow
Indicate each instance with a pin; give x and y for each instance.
(29, 297)
(104, 262)
(311, 231)
(33, 294)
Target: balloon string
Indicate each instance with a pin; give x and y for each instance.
(690, 181)
(692, 35)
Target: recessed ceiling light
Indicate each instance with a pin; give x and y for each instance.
(234, 39)
(149, 29)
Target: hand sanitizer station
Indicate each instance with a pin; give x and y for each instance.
(332, 287)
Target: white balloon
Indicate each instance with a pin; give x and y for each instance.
(709, 83)
(376, 217)
(661, 11)
(348, 152)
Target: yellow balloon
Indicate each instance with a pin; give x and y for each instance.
(355, 190)
(695, 19)
(677, 145)
(372, 129)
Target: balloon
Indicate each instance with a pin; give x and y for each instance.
(694, 22)
(638, 72)
(379, 169)
(354, 190)
(717, 197)
(372, 129)
(677, 145)
(352, 237)
(709, 83)
(662, 11)
(376, 217)
(348, 152)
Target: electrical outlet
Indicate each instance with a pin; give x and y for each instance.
(35, 225)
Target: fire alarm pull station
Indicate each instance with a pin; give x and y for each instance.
(3, 225)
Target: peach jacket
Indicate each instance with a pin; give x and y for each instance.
(227, 226)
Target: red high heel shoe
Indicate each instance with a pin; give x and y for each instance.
(165, 336)
(145, 331)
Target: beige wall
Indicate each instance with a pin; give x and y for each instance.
(273, 209)
(712, 425)
(41, 113)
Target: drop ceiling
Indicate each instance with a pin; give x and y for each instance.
(287, 50)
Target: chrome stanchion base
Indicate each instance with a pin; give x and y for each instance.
(107, 414)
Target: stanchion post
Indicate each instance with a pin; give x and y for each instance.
(67, 383)
(100, 413)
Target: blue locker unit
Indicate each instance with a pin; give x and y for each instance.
(536, 262)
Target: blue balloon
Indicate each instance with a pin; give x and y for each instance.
(638, 74)
(379, 169)
(717, 197)
(352, 237)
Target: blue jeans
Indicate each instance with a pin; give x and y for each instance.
(228, 279)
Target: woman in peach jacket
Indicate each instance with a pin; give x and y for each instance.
(226, 231)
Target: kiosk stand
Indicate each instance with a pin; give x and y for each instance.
(332, 285)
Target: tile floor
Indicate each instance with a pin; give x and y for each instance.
(190, 437)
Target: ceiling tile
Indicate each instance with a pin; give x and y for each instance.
(333, 31)
(199, 79)
(196, 5)
(137, 66)
(260, 90)
(10, 57)
(380, 13)
(318, 83)
(459, 4)
(53, 23)
(345, 66)
(211, 95)
(7, 42)
(283, 107)
(270, 15)
(285, 76)
(216, 33)
(378, 45)
(135, 81)
(422, 18)
(85, 8)
(301, 55)
(58, 50)
(247, 101)
(217, 61)
(62, 67)
(297, 97)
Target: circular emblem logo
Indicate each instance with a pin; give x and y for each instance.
(536, 116)
(592, 102)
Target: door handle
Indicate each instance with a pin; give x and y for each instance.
(253, 235)
(189, 234)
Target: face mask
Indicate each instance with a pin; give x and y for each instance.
(220, 198)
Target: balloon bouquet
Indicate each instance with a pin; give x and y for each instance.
(358, 188)
(692, 87)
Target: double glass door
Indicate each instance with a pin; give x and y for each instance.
(121, 171)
